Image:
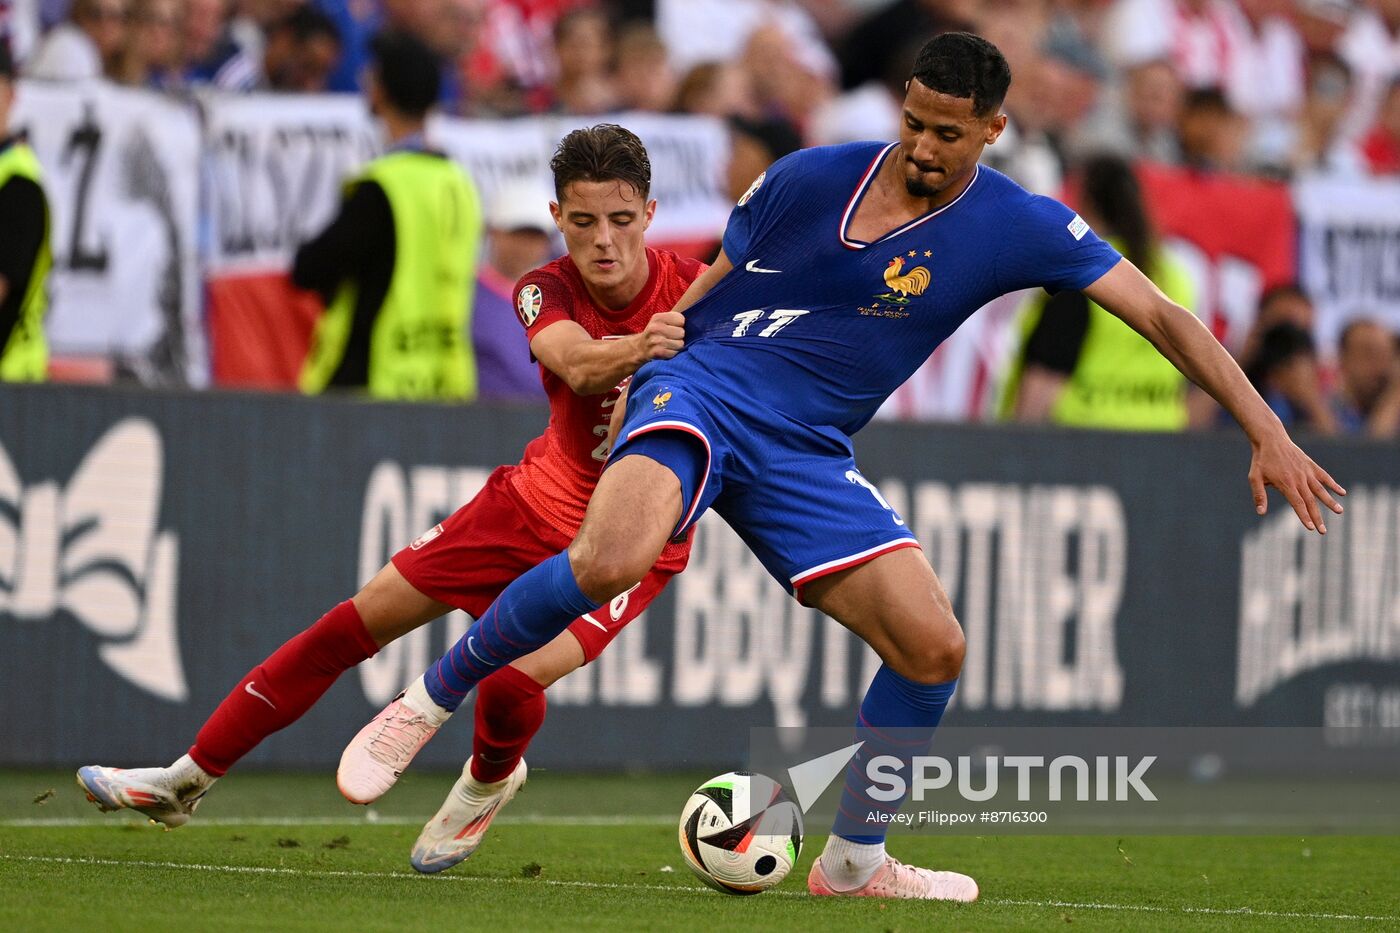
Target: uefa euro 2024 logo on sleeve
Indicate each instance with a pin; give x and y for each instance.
(91, 550)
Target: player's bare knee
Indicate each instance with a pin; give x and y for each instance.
(937, 660)
(603, 573)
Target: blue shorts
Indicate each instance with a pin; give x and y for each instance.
(791, 491)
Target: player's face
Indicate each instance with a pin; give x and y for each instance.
(604, 225)
(941, 138)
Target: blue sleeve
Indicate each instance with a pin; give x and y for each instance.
(1049, 246)
(756, 208)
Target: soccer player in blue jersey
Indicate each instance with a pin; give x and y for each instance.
(843, 268)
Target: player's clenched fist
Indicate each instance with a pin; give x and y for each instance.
(663, 336)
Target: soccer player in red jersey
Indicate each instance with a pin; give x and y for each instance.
(593, 317)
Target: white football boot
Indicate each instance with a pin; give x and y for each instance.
(167, 795)
(894, 879)
(456, 831)
(383, 749)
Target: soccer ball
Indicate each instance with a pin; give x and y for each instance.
(740, 833)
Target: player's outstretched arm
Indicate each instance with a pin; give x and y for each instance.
(592, 367)
(1186, 342)
(704, 282)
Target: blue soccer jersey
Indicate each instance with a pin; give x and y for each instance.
(824, 327)
(795, 349)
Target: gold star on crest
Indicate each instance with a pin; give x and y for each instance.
(912, 253)
(928, 253)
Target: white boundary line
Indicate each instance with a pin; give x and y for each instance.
(669, 888)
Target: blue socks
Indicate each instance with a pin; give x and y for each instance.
(527, 615)
(897, 718)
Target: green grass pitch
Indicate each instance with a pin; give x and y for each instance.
(580, 852)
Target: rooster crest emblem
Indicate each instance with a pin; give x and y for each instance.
(903, 284)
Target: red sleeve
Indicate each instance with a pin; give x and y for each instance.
(690, 269)
(542, 299)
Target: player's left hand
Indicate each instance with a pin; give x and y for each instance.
(1278, 462)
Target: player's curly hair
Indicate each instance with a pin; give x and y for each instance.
(960, 64)
(606, 152)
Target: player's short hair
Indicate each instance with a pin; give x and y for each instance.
(7, 61)
(407, 71)
(960, 64)
(606, 152)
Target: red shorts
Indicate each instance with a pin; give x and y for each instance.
(468, 559)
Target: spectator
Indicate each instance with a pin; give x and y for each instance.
(1079, 365)
(1318, 143)
(1211, 133)
(151, 55)
(1266, 83)
(783, 84)
(84, 46)
(1286, 303)
(1381, 147)
(717, 89)
(1153, 102)
(356, 21)
(204, 24)
(720, 30)
(397, 263)
(455, 40)
(583, 53)
(863, 52)
(1025, 151)
(518, 227)
(1284, 371)
(237, 62)
(301, 53)
(1201, 38)
(25, 258)
(1069, 79)
(1367, 398)
(511, 69)
(1371, 46)
(871, 111)
(417, 18)
(644, 76)
(755, 145)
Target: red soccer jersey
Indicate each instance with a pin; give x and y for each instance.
(561, 466)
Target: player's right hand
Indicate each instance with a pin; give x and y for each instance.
(663, 336)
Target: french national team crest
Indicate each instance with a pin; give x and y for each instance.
(528, 303)
(903, 284)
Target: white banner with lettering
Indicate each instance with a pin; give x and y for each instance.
(121, 172)
(1349, 255)
(277, 164)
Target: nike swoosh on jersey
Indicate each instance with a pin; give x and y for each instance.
(753, 266)
(248, 687)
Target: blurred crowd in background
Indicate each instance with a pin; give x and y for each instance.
(1267, 88)
(1263, 86)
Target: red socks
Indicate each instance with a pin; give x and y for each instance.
(281, 689)
(509, 711)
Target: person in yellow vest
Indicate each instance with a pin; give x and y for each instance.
(396, 265)
(25, 258)
(1077, 364)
